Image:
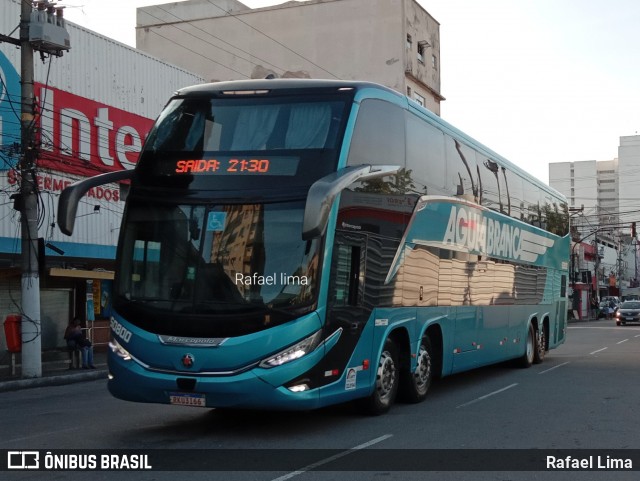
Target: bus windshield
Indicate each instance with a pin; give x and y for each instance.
(227, 269)
(246, 143)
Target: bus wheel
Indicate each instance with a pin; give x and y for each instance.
(540, 350)
(529, 352)
(415, 385)
(387, 380)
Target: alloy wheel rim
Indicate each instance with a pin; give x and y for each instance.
(386, 376)
(423, 369)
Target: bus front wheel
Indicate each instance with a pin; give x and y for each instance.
(415, 385)
(386, 383)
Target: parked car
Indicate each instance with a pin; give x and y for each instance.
(629, 311)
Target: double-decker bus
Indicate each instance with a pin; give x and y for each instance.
(291, 244)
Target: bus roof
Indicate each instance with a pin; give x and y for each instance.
(291, 85)
(277, 84)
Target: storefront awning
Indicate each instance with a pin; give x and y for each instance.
(81, 273)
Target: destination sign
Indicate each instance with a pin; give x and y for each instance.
(282, 165)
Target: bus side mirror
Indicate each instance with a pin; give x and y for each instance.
(323, 192)
(70, 196)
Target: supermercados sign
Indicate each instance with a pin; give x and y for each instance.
(459, 225)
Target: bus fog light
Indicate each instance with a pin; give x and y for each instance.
(299, 388)
(294, 352)
(118, 350)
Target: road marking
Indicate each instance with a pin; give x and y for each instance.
(554, 367)
(617, 328)
(481, 398)
(37, 435)
(599, 350)
(637, 335)
(332, 458)
(624, 340)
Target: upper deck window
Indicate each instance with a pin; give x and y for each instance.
(231, 125)
(212, 143)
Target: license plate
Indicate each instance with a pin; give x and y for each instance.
(629, 318)
(187, 399)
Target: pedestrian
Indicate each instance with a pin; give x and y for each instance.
(76, 340)
(594, 307)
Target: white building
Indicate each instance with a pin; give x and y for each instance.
(392, 42)
(628, 179)
(605, 202)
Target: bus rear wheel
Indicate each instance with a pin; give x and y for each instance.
(541, 346)
(415, 385)
(387, 381)
(529, 351)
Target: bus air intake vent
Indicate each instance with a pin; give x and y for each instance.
(186, 384)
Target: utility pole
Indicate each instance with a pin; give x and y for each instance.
(43, 30)
(31, 323)
(634, 245)
(597, 265)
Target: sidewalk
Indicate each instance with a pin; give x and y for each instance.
(55, 372)
(592, 319)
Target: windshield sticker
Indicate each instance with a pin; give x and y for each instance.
(216, 221)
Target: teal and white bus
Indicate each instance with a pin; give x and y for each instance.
(291, 244)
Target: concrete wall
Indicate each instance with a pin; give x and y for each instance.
(344, 39)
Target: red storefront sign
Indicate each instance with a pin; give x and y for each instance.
(84, 137)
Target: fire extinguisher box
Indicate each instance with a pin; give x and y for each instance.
(13, 332)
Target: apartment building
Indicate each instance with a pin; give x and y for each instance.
(605, 203)
(392, 42)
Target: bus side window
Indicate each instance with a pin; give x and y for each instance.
(347, 275)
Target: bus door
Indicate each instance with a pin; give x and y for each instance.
(346, 300)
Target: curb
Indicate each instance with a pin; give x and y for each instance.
(56, 380)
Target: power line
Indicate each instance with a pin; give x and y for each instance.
(211, 35)
(273, 39)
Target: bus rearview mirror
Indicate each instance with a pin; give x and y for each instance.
(323, 192)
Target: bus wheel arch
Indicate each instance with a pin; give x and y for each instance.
(434, 333)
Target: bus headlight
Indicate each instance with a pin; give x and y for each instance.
(294, 352)
(118, 350)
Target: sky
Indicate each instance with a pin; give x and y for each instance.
(537, 81)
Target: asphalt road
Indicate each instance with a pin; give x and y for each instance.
(586, 395)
